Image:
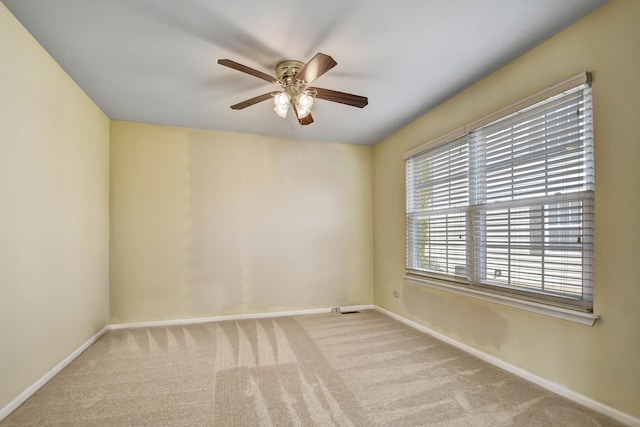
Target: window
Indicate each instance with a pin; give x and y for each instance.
(506, 205)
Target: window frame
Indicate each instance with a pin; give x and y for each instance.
(563, 306)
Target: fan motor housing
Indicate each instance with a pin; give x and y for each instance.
(288, 69)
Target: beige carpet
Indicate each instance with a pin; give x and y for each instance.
(334, 369)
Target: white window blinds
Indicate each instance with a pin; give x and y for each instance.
(509, 205)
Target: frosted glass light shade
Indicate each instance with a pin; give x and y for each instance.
(304, 103)
(281, 104)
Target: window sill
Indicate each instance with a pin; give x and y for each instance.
(547, 310)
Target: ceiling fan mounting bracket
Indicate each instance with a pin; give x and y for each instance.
(288, 69)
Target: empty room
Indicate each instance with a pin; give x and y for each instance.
(409, 213)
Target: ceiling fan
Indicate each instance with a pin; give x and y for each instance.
(294, 78)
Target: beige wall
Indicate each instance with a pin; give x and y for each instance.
(54, 224)
(600, 362)
(209, 223)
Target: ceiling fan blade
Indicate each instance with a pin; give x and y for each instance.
(252, 101)
(318, 65)
(341, 97)
(307, 120)
(259, 74)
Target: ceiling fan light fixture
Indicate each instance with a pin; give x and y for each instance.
(281, 104)
(294, 78)
(304, 102)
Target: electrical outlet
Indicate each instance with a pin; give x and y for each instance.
(395, 294)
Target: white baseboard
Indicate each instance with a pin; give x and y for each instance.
(358, 307)
(542, 382)
(20, 399)
(196, 320)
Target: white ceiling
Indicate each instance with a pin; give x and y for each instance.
(155, 61)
